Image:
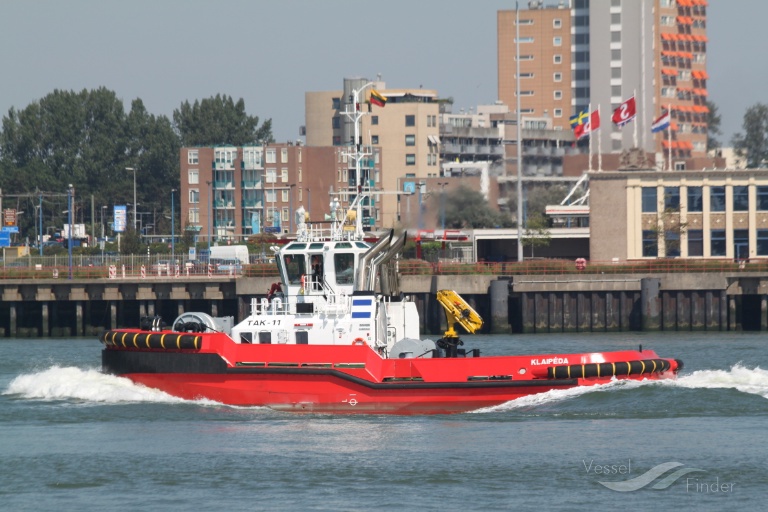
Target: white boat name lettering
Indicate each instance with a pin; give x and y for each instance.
(549, 360)
(264, 322)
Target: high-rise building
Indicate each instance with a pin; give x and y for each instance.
(545, 62)
(654, 50)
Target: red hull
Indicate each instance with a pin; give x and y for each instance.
(355, 379)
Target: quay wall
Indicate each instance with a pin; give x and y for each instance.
(519, 303)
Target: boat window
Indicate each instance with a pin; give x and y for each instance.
(343, 245)
(317, 272)
(316, 246)
(295, 246)
(362, 245)
(344, 264)
(295, 267)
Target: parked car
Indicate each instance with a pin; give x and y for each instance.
(162, 267)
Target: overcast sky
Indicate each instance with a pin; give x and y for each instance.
(270, 52)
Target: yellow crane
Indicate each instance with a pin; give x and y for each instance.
(456, 311)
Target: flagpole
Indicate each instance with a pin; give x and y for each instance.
(589, 119)
(599, 144)
(669, 137)
(634, 137)
(642, 74)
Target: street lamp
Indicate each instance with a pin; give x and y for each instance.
(210, 214)
(134, 195)
(70, 194)
(290, 206)
(173, 232)
(442, 203)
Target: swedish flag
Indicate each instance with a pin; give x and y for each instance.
(579, 118)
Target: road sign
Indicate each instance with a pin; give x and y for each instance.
(9, 217)
(121, 218)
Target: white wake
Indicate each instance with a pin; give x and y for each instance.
(741, 378)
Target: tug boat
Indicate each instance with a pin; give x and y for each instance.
(336, 335)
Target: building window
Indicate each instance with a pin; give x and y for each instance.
(649, 199)
(695, 242)
(284, 214)
(271, 156)
(672, 244)
(558, 112)
(410, 120)
(694, 199)
(526, 57)
(557, 77)
(525, 40)
(741, 244)
(284, 155)
(557, 59)
(615, 54)
(557, 23)
(741, 199)
(762, 199)
(270, 195)
(193, 177)
(526, 75)
(650, 243)
(194, 216)
(762, 242)
(271, 175)
(374, 139)
(717, 199)
(557, 41)
(374, 120)
(558, 95)
(410, 140)
(410, 159)
(527, 21)
(192, 157)
(284, 175)
(526, 93)
(717, 242)
(335, 122)
(284, 196)
(194, 196)
(671, 198)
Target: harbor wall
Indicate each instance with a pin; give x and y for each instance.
(528, 304)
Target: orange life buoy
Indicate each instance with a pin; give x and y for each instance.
(359, 341)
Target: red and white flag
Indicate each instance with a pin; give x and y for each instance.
(588, 126)
(625, 112)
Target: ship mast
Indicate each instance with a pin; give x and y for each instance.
(357, 154)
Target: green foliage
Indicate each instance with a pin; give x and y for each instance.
(466, 208)
(130, 243)
(713, 125)
(219, 120)
(753, 143)
(536, 232)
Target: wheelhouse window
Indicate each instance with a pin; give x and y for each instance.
(344, 265)
(294, 266)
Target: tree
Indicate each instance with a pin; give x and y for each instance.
(713, 126)
(219, 120)
(753, 143)
(466, 208)
(536, 232)
(669, 230)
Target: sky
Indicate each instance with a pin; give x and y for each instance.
(270, 53)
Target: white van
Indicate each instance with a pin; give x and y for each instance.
(230, 252)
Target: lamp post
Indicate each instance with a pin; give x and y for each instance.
(70, 193)
(309, 203)
(103, 242)
(210, 214)
(442, 203)
(173, 228)
(290, 207)
(134, 195)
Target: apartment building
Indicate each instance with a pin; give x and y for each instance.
(402, 138)
(229, 193)
(545, 61)
(654, 50)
